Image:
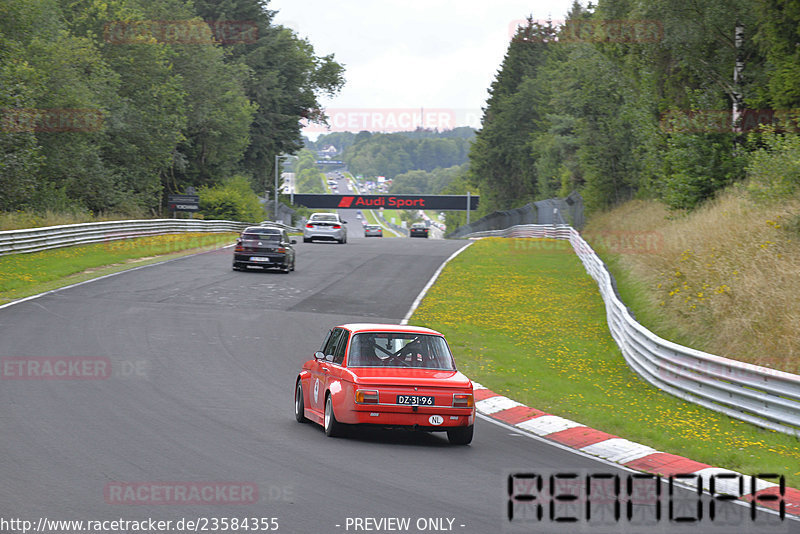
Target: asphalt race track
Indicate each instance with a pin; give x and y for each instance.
(203, 362)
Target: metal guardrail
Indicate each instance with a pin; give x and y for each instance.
(49, 237)
(279, 225)
(765, 397)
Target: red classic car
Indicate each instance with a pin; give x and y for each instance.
(389, 376)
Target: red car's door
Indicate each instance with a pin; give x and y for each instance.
(320, 370)
(333, 370)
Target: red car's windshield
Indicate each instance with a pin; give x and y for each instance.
(400, 349)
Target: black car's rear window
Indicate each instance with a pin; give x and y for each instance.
(400, 349)
(263, 237)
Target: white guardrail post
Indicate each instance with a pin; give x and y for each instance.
(49, 237)
(765, 397)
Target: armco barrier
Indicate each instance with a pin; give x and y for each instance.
(36, 239)
(759, 395)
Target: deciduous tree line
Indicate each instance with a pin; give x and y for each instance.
(391, 154)
(109, 105)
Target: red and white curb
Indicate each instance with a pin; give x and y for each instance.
(624, 452)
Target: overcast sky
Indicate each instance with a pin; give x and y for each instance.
(402, 56)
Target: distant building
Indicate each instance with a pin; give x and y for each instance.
(327, 152)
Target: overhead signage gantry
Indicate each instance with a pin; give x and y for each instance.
(394, 202)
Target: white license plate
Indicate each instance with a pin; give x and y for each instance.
(415, 400)
(261, 259)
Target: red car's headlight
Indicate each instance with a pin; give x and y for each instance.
(366, 396)
(463, 400)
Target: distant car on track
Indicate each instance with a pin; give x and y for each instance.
(394, 376)
(418, 230)
(328, 226)
(264, 247)
(373, 230)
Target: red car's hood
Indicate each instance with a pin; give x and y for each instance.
(375, 376)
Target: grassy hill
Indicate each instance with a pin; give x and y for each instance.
(724, 278)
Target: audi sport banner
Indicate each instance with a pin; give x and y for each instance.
(390, 202)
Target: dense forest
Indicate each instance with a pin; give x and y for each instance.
(381, 154)
(433, 182)
(110, 105)
(632, 98)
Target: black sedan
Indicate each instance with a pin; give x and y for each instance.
(418, 230)
(264, 247)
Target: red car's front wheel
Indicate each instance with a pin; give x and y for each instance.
(299, 404)
(333, 428)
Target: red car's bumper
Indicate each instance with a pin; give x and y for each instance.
(429, 418)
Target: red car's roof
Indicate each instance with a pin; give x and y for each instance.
(374, 327)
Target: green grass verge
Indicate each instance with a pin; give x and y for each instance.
(525, 319)
(389, 214)
(23, 275)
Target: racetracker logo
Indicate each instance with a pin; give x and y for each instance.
(625, 242)
(180, 493)
(59, 368)
(384, 120)
(593, 31)
(606, 242)
(193, 32)
(725, 121)
(17, 120)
